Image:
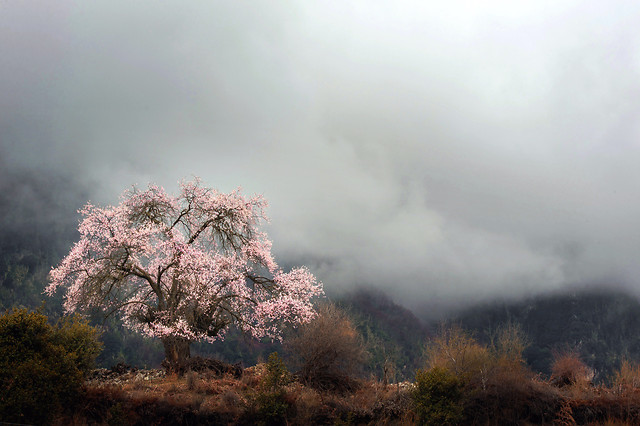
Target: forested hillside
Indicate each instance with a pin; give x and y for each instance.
(38, 222)
(394, 336)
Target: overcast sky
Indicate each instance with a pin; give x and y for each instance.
(445, 151)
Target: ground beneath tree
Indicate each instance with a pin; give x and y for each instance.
(209, 394)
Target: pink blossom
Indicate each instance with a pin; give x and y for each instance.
(187, 266)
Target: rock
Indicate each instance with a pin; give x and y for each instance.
(119, 376)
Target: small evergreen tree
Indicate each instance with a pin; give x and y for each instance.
(272, 405)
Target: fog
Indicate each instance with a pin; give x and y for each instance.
(445, 152)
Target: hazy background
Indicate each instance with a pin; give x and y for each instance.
(447, 152)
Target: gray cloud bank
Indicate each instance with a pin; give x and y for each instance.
(441, 150)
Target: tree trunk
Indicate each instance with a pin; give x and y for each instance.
(176, 352)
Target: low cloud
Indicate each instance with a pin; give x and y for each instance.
(441, 152)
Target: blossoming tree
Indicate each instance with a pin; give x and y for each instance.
(183, 268)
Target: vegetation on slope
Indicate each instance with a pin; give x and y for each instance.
(602, 327)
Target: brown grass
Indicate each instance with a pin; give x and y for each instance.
(509, 395)
(229, 400)
(497, 387)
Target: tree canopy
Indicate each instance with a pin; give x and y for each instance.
(183, 268)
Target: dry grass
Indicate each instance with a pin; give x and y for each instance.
(509, 395)
(497, 389)
(230, 400)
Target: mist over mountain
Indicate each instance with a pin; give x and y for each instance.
(447, 153)
(38, 225)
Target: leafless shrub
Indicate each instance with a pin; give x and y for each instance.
(510, 342)
(328, 351)
(627, 379)
(455, 350)
(308, 403)
(568, 369)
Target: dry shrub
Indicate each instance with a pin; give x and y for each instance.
(196, 400)
(308, 404)
(564, 416)
(252, 376)
(393, 406)
(456, 351)
(508, 367)
(210, 405)
(367, 395)
(568, 369)
(230, 398)
(140, 384)
(495, 382)
(229, 405)
(192, 380)
(509, 345)
(511, 388)
(627, 379)
(173, 390)
(328, 351)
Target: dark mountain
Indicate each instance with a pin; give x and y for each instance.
(393, 334)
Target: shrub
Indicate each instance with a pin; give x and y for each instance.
(276, 376)
(80, 340)
(508, 366)
(456, 351)
(568, 369)
(41, 367)
(492, 378)
(192, 380)
(437, 397)
(329, 351)
(509, 344)
(627, 378)
(271, 398)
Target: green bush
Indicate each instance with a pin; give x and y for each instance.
(41, 367)
(271, 399)
(277, 376)
(80, 340)
(437, 397)
(272, 408)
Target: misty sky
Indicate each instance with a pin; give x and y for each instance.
(442, 150)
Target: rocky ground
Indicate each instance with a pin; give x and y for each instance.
(122, 374)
